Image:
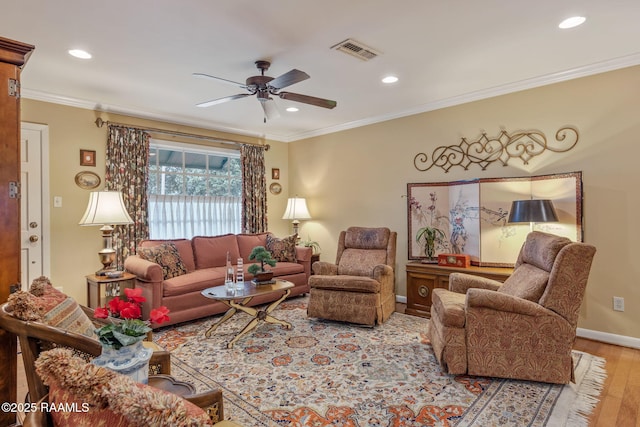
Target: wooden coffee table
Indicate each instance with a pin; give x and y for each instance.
(239, 300)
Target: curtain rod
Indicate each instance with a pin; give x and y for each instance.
(99, 123)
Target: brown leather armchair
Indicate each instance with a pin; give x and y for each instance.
(360, 286)
(522, 329)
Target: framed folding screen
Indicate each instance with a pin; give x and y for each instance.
(472, 215)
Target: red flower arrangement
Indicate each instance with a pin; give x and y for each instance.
(130, 329)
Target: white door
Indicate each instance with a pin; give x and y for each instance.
(34, 212)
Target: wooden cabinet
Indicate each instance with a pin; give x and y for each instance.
(422, 279)
(102, 289)
(13, 56)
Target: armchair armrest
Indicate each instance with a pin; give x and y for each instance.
(323, 268)
(461, 282)
(382, 270)
(483, 298)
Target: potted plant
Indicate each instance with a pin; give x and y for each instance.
(430, 235)
(315, 246)
(259, 253)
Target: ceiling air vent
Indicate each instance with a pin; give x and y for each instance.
(356, 49)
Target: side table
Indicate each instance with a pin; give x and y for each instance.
(422, 279)
(102, 289)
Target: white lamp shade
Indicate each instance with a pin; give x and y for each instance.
(106, 208)
(296, 209)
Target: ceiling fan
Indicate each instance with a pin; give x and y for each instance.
(265, 86)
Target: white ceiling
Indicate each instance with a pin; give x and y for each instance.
(445, 52)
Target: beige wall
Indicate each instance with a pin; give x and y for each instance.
(74, 249)
(358, 177)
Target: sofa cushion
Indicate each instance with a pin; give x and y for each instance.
(212, 251)
(449, 307)
(166, 255)
(46, 304)
(283, 250)
(246, 243)
(527, 282)
(195, 281)
(285, 269)
(345, 283)
(541, 249)
(367, 238)
(360, 262)
(184, 248)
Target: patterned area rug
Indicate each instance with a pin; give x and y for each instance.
(322, 373)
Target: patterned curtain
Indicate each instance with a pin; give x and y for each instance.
(127, 169)
(254, 189)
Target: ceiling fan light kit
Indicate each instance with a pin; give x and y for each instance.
(264, 86)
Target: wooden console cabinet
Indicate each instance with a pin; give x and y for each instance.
(422, 279)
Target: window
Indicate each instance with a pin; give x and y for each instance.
(193, 190)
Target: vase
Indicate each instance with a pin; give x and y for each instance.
(131, 360)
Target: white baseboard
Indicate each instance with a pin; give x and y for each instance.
(609, 338)
(402, 299)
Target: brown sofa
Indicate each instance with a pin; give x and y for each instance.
(204, 259)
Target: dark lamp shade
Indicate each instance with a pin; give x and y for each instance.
(532, 211)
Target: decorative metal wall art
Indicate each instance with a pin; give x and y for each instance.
(521, 144)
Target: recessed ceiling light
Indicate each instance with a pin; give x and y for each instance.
(79, 53)
(292, 109)
(574, 21)
(389, 79)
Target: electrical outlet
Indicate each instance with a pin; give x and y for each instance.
(618, 303)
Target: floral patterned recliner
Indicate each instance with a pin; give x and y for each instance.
(360, 286)
(522, 329)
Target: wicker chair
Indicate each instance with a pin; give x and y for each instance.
(35, 337)
(360, 287)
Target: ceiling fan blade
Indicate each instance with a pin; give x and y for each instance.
(207, 76)
(289, 78)
(312, 100)
(270, 109)
(221, 100)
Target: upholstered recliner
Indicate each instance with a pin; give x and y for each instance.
(522, 329)
(360, 286)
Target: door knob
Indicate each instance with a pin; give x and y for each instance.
(33, 238)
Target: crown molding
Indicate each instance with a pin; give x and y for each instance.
(591, 69)
(588, 70)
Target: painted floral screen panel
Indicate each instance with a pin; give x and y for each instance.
(472, 215)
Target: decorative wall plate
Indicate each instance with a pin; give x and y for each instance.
(275, 188)
(87, 180)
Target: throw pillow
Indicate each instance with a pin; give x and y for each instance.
(48, 305)
(167, 256)
(105, 397)
(283, 250)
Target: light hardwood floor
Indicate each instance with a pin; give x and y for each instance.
(619, 402)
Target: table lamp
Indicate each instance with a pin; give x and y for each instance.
(296, 210)
(532, 211)
(106, 208)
